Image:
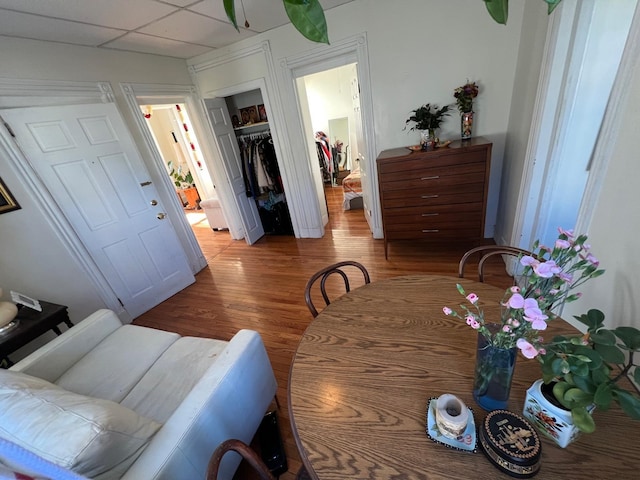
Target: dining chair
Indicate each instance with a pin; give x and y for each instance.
(324, 274)
(245, 451)
(486, 252)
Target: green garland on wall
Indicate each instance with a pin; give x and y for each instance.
(308, 18)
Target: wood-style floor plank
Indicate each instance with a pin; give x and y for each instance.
(261, 287)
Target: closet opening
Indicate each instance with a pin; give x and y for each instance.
(259, 162)
(178, 145)
(332, 123)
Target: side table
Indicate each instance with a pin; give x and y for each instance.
(31, 325)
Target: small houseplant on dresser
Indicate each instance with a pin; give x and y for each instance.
(428, 119)
(582, 373)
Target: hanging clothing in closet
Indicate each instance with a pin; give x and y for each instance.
(263, 182)
(327, 158)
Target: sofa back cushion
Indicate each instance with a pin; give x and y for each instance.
(87, 435)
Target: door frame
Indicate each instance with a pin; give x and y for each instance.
(21, 93)
(549, 109)
(137, 94)
(257, 84)
(344, 52)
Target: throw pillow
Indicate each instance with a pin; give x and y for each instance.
(87, 435)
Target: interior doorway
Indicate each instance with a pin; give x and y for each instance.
(332, 124)
(182, 158)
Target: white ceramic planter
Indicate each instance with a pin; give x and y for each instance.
(551, 421)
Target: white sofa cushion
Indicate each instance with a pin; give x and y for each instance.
(87, 435)
(117, 364)
(173, 376)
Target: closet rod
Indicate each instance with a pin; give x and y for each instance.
(254, 136)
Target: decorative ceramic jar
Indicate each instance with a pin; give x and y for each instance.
(493, 374)
(466, 125)
(551, 420)
(428, 139)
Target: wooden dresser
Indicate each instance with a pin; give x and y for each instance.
(438, 195)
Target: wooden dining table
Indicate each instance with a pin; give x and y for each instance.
(366, 367)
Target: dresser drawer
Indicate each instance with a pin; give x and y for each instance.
(452, 194)
(455, 232)
(420, 161)
(432, 214)
(434, 179)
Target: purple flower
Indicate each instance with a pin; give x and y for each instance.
(526, 348)
(562, 244)
(516, 301)
(565, 277)
(528, 261)
(547, 269)
(593, 260)
(568, 233)
(447, 311)
(472, 297)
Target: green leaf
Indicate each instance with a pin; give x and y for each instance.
(580, 370)
(636, 374)
(230, 10)
(585, 384)
(629, 403)
(583, 420)
(603, 396)
(498, 9)
(604, 337)
(460, 289)
(609, 353)
(578, 397)
(594, 358)
(596, 317)
(308, 18)
(630, 336)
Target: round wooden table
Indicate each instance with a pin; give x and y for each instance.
(366, 367)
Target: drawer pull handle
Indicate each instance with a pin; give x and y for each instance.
(429, 196)
(430, 178)
(430, 214)
(430, 231)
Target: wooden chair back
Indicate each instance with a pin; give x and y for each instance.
(247, 454)
(485, 252)
(324, 274)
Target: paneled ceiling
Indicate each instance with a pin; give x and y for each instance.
(174, 28)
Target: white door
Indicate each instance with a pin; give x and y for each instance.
(223, 130)
(86, 157)
(361, 148)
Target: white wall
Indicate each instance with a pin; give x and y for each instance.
(33, 259)
(419, 52)
(329, 95)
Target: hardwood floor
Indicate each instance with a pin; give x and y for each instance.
(261, 287)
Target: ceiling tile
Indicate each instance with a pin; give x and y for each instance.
(124, 14)
(24, 25)
(262, 15)
(138, 42)
(181, 3)
(193, 28)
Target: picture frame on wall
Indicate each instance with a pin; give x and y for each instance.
(262, 113)
(8, 202)
(249, 115)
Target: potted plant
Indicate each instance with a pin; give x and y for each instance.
(581, 373)
(180, 180)
(464, 96)
(427, 119)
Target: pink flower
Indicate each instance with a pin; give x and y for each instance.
(547, 269)
(447, 311)
(472, 297)
(470, 319)
(565, 277)
(526, 348)
(475, 325)
(528, 261)
(593, 260)
(506, 328)
(562, 244)
(568, 233)
(516, 301)
(515, 289)
(515, 324)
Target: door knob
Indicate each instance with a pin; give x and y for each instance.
(154, 202)
(161, 216)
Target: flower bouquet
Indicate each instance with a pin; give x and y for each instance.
(547, 279)
(464, 96)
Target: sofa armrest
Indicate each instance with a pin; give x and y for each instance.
(51, 360)
(229, 401)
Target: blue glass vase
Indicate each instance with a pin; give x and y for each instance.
(493, 375)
